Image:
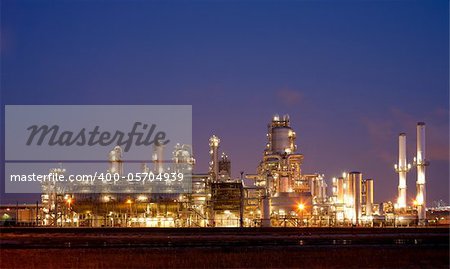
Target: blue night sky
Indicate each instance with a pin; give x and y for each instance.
(352, 75)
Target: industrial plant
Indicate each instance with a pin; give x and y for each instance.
(279, 194)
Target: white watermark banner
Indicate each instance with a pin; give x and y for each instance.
(91, 149)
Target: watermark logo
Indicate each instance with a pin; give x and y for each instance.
(55, 136)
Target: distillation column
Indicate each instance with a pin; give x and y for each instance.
(115, 161)
(158, 157)
(421, 164)
(402, 168)
(214, 142)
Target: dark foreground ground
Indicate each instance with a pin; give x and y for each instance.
(225, 248)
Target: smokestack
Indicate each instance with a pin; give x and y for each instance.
(421, 164)
(402, 168)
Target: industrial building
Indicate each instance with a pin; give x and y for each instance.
(279, 194)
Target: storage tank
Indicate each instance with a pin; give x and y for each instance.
(281, 140)
(356, 179)
(348, 187)
(369, 196)
(353, 196)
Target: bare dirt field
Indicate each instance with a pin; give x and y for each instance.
(224, 248)
(234, 257)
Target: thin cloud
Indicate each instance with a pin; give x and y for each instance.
(289, 97)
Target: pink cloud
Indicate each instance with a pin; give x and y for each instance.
(289, 97)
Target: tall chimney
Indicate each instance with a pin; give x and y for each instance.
(421, 164)
(402, 168)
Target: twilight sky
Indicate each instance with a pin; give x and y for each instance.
(352, 75)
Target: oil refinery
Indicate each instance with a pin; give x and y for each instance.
(279, 194)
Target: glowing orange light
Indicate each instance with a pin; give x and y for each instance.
(301, 206)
